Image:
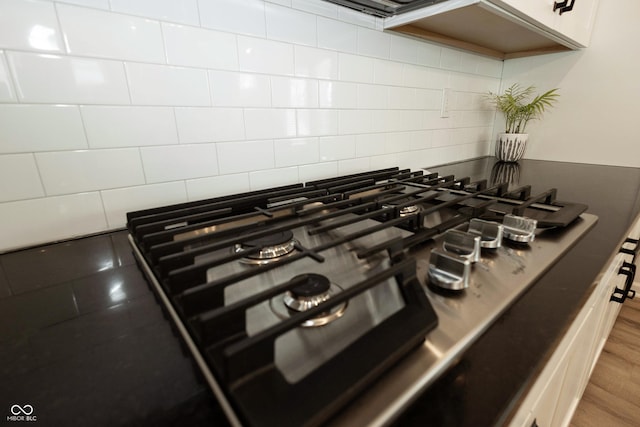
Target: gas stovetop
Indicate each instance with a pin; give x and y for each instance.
(339, 301)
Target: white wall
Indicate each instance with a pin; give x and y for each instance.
(596, 119)
(108, 106)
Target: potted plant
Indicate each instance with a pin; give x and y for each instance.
(511, 144)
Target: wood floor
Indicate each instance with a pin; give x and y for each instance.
(612, 397)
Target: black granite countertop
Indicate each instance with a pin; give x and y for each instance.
(83, 341)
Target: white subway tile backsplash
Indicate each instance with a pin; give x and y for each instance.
(354, 166)
(429, 99)
(273, 178)
(354, 17)
(175, 162)
(97, 4)
(373, 96)
(182, 11)
(19, 178)
(111, 126)
(28, 128)
(207, 48)
(337, 94)
(355, 121)
(384, 161)
(314, 122)
(63, 79)
(167, 85)
(245, 156)
(119, 201)
(404, 49)
(321, 8)
(209, 124)
(231, 89)
(355, 68)
(318, 63)
(215, 186)
(29, 25)
(388, 72)
(269, 123)
(337, 147)
(265, 56)
(290, 92)
(429, 54)
(242, 17)
(290, 25)
(7, 93)
(374, 43)
(370, 144)
(316, 171)
(336, 35)
(404, 98)
(66, 172)
(91, 32)
(293, 152)
(50, 219)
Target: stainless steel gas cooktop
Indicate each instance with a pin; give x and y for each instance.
(339, 301)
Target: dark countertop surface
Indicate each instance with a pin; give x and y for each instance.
(83, 341)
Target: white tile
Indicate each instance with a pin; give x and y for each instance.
(269, 123)
(318, 63)
(215, 186)
(30, 25)
(67, 172)
(372, 144)
(182, 11)
(98, 4)
(450, 59)
(489, 67)
(122, 200)
(174, 162)
(230, 89)
(19, 178)
(50, 219)
(7, 93)
(280, 2)
(388, 72)
(383, 161)
(396, 142)
(289, 25)
(273, 178)
(315, 171)
(429, 54)
(167, 85)
(293, 152)
(373, 96)
(355, 68)
(111, 127)
(430, 99)
(209, 124)
(59, 127)
(403, 98)
(199, 47)
(242, 17)
(245, 156)
(289, 92)
(415, 75)
(423, 158)
(316, 7)
(91, 32)
(354, 166)
(354, 17)
(336, 35)
(337, 147)
(337, 94)
(265, 56)
(374, 43)
(355, 121)
(317, 122)
(62, 79)
(404, 49)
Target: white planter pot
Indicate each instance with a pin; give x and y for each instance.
(510, 146)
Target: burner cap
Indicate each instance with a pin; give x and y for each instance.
(312, 285)
(275, 239)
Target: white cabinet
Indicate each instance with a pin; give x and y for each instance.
(554, 396)
(501, 28)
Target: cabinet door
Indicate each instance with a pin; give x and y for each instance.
(577, 23)
(540, 11)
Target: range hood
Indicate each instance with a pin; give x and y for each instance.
(385, 8)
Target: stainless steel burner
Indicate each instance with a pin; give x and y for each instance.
(313, 291)
(272, 248)
(405, 211)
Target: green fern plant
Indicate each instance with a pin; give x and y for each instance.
(512, 103)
